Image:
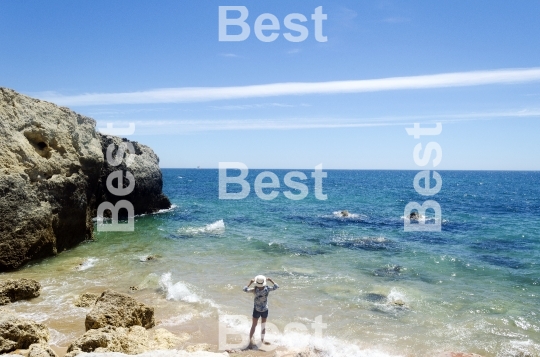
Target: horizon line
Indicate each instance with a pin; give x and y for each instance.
(258, 168)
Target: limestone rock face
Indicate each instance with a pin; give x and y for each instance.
(50, 164)
(86, 300)
(40, 350)
(110, 339)
(146, 196)
(157, 353)
(21, 289)
(164, 339)
(119, 310)
(133, 340)
(53, 174)
(17, 333)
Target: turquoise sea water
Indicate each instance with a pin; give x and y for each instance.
(474, 286)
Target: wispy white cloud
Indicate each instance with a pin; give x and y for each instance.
(257, 106)
(198, 94)
(159, 127)
(230, 55)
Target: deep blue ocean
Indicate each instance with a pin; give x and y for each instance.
(491, 219)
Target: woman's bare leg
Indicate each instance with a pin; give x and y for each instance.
(263, 329)
(253, 326)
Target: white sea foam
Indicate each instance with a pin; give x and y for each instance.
(34, 316)
(295, 341)
(216, 227)
(183, 292)
(520, 348)
(177, 320)
(178, 291)
(87, 264)
(349, 215)
(59, 339)
(165, 210)
(396, 295)
(326, 346)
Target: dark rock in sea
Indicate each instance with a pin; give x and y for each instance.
(52, 168)
(390, 271)
(119, 310)
(147, 196)
(17, 333)
(375, 297)
(364, 243)
(21, 289)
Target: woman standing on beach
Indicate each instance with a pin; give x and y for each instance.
(260, 308)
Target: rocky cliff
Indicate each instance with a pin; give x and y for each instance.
(52, 171)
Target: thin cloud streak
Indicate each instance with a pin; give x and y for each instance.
(201, 94)
(159, 127)
(258, 106)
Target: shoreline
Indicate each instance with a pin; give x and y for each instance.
(196, 337)
(68, 320)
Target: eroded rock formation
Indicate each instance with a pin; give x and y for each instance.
(21, 289)
(17, 333)
(119, 310)
(52, 171)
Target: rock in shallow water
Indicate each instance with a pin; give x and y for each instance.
(119, 310)
(21, 289)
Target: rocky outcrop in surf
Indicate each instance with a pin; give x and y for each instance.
(86, 300)
(146, 196)
(119, 310)
(119, 323)
(52, 170)
(21, 289)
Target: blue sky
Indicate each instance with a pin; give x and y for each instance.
(112, 60)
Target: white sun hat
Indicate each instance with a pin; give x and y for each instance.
(260, 281)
